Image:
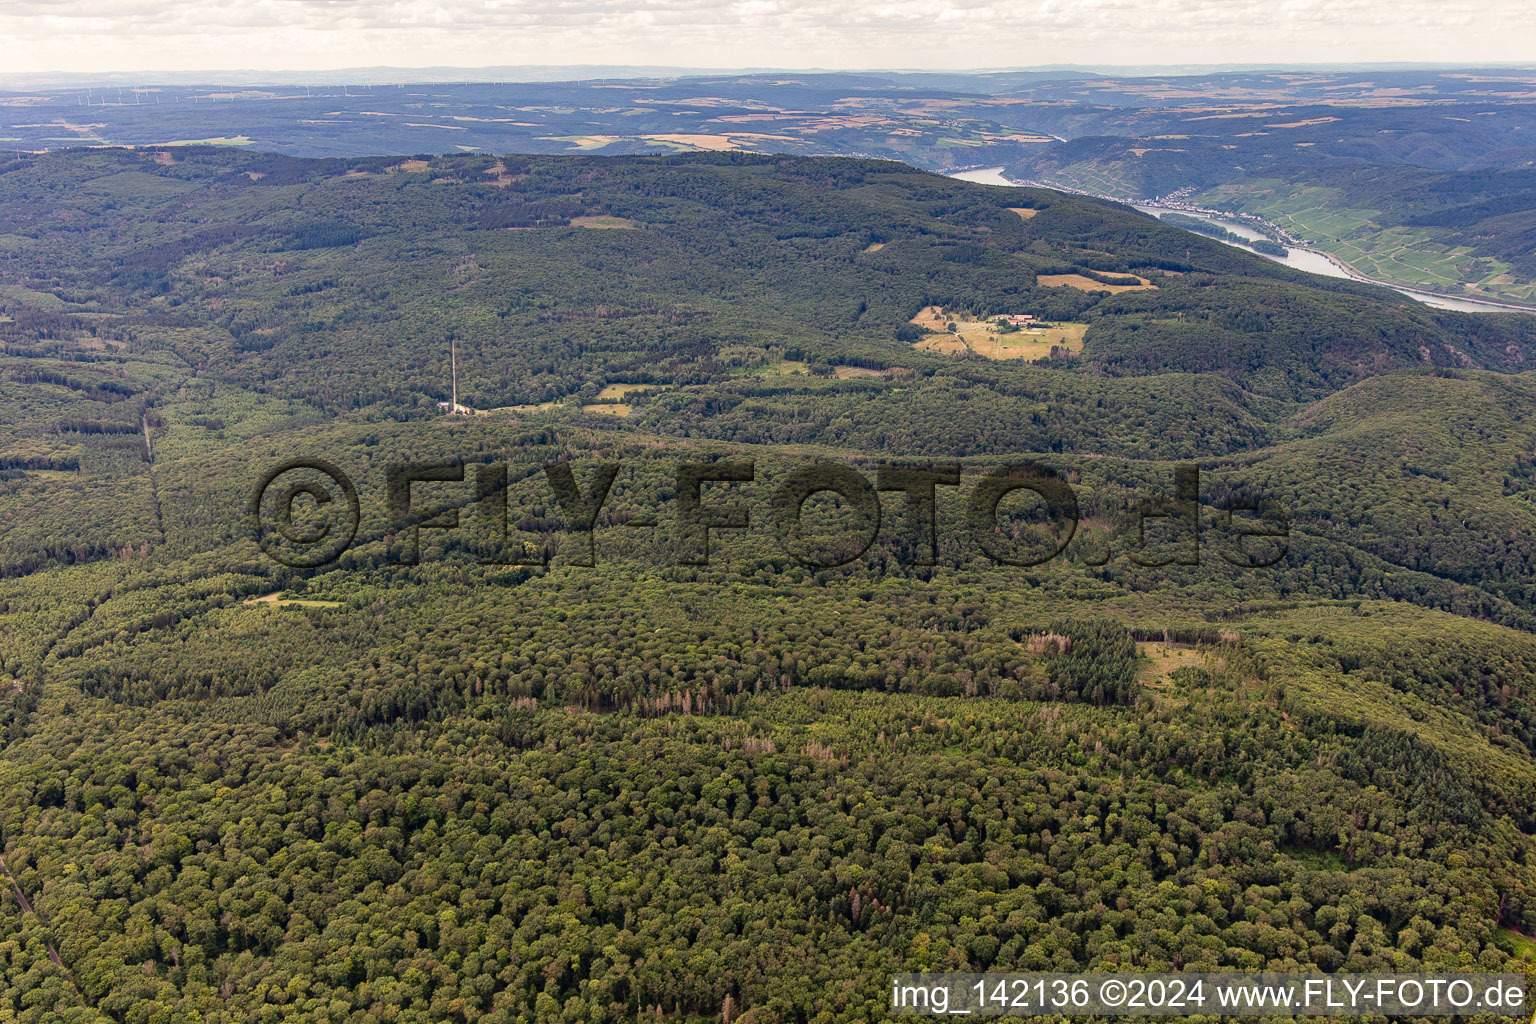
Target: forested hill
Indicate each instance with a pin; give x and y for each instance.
(528, 762)
(829, 257)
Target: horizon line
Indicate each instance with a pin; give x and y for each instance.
(552, 73)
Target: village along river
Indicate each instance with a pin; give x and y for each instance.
(1309, 260)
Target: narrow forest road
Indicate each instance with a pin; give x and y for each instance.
(149, 462)
(26, 908)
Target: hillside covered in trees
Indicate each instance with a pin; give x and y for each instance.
(523, 755)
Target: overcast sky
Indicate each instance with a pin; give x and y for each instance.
(181, 35)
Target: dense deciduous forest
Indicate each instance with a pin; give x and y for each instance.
(530, 767)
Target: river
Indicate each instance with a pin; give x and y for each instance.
(1308, 260)
(985, 176)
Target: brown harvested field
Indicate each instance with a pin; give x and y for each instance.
(492, 120)
(219, 140)
(875, 247)
(849, 372)
(275, 598)
(582, 142)
(409, 166)
(707, 143)
(749, 118)
(1303, 124)
(1088, 284)
(1228, 116)
(983, 338)
(541, 407)
(933, 318)
(715, 143)
(1023, 211)
(603, 222)
(619, 391)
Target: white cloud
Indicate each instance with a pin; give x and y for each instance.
(150, 35)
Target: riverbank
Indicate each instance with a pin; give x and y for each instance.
(1460, 302)
(1315, 261)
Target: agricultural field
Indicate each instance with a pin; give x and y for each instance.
(1087, 284)
(603, 222)
(277, 600)
(982, 337)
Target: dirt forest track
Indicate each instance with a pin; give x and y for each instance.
(26, 909)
